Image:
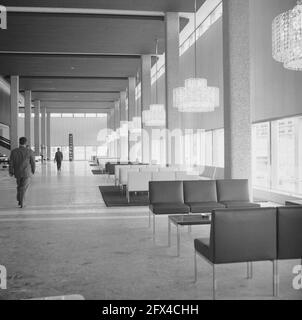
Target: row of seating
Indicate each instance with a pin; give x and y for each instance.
(135, 178)
(184, 197)
(251, 235)
(139, 181)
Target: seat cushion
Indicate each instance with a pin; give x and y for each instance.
(202, 246)
(170, 208)
(240, 204)
(203, 207)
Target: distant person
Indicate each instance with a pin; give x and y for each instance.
(22, 165)
(59, 159)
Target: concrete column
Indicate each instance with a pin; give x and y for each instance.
(172, 79)
(14, 111)
(27, 117)
(43, 131)
(37, 128)
(237, 106)
(124, 117)
(116, 118)
(131, 110)
(146, 94)
(48, 131)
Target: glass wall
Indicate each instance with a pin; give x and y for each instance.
(277, 155)
(204, 147)
(81, 153)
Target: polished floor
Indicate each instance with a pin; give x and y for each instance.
(65, 241)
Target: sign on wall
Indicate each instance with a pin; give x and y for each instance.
(71, 151)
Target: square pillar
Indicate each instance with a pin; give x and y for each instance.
(27, 117)
(48, 131)
(37, 128)
(14, 111)
(131, 111)
(171, 78)
(146, 95)
(237, 104)
(43, 131)
(124, 117)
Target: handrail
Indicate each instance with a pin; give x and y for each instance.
(4, 139)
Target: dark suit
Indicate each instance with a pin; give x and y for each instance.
(22, 165)
(59, 159)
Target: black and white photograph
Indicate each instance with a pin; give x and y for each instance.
(150, 154)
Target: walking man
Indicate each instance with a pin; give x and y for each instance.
(22, 165)
(59, 159)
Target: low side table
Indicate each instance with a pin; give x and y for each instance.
(186, 220)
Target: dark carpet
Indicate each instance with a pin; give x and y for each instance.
(114, 197)
(97, 172)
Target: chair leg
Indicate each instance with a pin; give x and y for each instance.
(149, 218)
(214, 283)
(275, 279)
(195, 266)
(249, 270)
(153, 227)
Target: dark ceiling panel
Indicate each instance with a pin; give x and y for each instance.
(75, 104)
(75, 96)
(135, 5)
(76, 84)
(81, 34)
(60, 65)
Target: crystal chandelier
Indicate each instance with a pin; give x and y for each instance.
(122, 131)
(135, 125)
(287, 38)
(156, 115)
(196, 96)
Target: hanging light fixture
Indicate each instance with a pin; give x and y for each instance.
(122, 131)
(287, 38)
(156, 115)
(196, 96)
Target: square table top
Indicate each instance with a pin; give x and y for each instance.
(191, 219)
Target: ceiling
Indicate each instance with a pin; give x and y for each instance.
(132, 5)
(82, 59)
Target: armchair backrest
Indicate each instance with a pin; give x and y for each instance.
(233, 190)
(166, 192)
(243, 235)
(200, 191)
(138, 181)
(289, 223)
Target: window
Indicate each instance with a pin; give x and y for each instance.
(277, 155)
(90, 115)
(55, 115)
(65, 151)
(218, 148)
(261, 155)
(285, 150)
(209, 148)
(79, 153)
(79, 115)
(67, 115)
(102, 151)
(90, 152)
